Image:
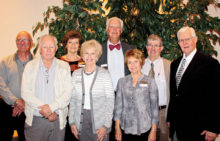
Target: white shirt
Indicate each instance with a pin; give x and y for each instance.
(87, 85)
(188, 60)
(115, 63)
(159, 78)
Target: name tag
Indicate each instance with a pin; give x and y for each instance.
(143, 85)
(104, 65)
(81, 65)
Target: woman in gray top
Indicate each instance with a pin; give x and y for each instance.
(136, 108)
(92, 102)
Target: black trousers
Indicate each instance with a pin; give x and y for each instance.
(130, 137)
(8, 123)
(112, 133)
(68, 134)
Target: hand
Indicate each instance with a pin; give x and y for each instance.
(20, 104)
(74, 131)
(45, 110)
(152, 136)
(16, 111)
(52, 117)
(209, 136)
(101, 132)
(118, 134)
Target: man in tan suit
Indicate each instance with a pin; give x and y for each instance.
(159, 69)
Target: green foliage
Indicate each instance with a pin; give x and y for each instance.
(141, 18)
(75, 15)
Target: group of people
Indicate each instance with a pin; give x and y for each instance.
(110, 91)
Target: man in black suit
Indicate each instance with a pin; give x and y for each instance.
(193, 113)
(113, 54)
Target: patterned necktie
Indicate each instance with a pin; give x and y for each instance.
(151, 73)
(180, 73)
(118, 46)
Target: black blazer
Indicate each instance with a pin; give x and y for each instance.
(103, 59)
(194, 106)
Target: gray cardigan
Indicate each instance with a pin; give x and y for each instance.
(101, 99)
(136, 107)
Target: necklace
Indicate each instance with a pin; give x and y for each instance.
(72, 58)
(88, 73)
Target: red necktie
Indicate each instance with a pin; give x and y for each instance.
(118, 46)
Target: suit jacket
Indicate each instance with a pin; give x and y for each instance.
(194, 106)
(103, 59)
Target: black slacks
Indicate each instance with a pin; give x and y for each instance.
(8, 123)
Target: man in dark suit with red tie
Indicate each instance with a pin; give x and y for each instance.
(113, 53)
(193, 113)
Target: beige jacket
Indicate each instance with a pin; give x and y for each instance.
(63, 90)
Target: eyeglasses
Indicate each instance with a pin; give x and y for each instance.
(184, 40)
(23, 40)
(155, 46)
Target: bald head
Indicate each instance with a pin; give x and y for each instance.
(24, 41)
(24, 33)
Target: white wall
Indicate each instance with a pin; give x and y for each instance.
(17, 15)
(215, 12)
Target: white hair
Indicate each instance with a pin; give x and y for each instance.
(114, 18)
(41, 38)
(185, 28)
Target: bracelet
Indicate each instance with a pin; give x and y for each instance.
(153, 130)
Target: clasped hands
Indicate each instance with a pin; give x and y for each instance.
(18, 108)
(47, 113)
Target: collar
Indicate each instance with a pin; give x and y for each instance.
(190, 56)
(16, 58)
(155, 61)
(110, 43)
(43, 66)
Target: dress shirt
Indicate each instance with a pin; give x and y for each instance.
(11, 70)
(159, 78)
(44, 86)
(188, 60)
(115, 64)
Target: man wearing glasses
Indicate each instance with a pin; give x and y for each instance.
(11, 105)
(193, 112)
(158, 68)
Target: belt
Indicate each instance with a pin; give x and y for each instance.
(162, 107)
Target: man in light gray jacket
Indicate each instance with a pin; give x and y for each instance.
(11, 104)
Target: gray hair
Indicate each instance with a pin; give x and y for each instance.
(42, 37)
(114, 18)
(185, 28)
(154, 37)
